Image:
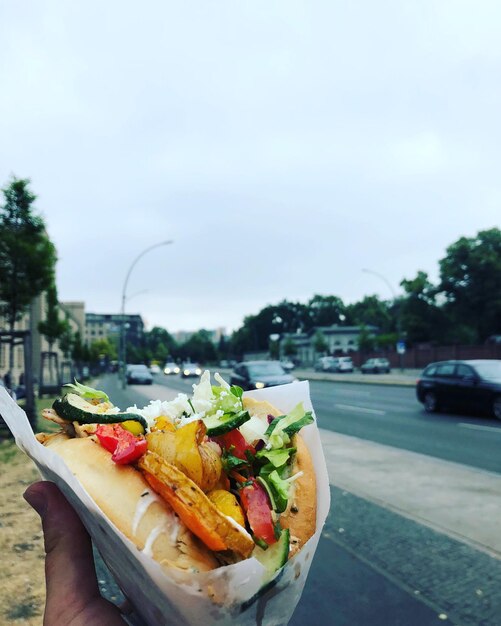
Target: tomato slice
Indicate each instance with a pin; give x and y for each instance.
(237, 440)
(124, 446)
(257, 507)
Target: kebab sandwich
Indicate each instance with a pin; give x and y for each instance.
(197, 482)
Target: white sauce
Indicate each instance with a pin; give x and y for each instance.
(152, 537)
(141, 507)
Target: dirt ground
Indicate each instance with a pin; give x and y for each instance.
(22, 594)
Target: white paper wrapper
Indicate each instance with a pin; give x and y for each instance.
(230, 595)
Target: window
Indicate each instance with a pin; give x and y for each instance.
(463, 370)
(446, 369)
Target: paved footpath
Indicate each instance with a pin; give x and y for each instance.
(410, 540)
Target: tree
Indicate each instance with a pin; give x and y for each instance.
(52, 327)
(366, 340)
(470, 276)
(326, 310)
(27, 256)
(319, 342)
(371, 310)
(289, 348)
(422, 319)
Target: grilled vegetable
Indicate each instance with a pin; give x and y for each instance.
(74, 408)
(186, 449)
(194, 508)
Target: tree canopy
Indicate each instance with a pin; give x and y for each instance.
(27, 256)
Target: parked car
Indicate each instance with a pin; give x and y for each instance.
(155, 369)
(376, 366)
(259, 374)
(473, 386)
(171, 368)
(190, 369)
(325, 364)
(334, 364)
(139, 374)
(344, 364)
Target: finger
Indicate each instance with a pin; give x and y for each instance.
(69, 565)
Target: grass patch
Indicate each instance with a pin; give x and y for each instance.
(8, 450)
(23, 610)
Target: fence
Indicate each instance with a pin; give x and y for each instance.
(420, 355)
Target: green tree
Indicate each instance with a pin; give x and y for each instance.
(319, 342)
(52, 327)
(27, 256)
(470, 280)
(289, 348)
(366, 340)
(67, 338)
(158, 344)
(326, 310)
(371, 310)
(422, 319)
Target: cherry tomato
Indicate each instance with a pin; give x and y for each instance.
(124, 446)
(237, 440)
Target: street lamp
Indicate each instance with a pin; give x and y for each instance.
(123, 343)
(399, 318)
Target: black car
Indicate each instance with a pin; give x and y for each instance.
(259, 374)
(473, 386)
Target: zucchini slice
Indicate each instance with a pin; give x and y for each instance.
(74, 408)
(225, 423)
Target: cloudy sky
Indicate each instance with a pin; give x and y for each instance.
(283, 146)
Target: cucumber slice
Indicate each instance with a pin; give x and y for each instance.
(74, 408)
(276, 555)
(225, 423)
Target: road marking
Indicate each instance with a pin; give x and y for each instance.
(360, 409)
(477, 427)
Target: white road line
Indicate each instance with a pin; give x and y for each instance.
(359, 409)
(478, 427)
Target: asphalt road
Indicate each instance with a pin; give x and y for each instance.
(391, 415)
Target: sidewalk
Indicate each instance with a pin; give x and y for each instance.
(406, 377)
(454, 499)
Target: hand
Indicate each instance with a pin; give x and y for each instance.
(73, 597)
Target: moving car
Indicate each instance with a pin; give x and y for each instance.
(473, 386)
(190, 369)
(171, 368)
(259, 374)
(376, 366)
(139, 374)
(155, 369)
(287, 364)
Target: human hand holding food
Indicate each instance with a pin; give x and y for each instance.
(72, 591)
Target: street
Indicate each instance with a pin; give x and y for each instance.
(379, 561)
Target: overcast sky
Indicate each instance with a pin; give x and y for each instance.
(283, 146)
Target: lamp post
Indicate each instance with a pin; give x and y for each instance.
(399, 318)
(123, 343)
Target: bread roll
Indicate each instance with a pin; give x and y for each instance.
(129, 502)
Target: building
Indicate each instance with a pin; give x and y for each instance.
(108, 326)
(73, 312)
(339, 340)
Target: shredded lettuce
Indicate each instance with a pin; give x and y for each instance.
(277, 457)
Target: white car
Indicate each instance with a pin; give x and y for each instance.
(155, 369)
(171, 368)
